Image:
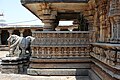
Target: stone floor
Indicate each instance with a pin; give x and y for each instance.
(27, 77)
(3, 53)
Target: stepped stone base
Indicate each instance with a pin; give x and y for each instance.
(60, 65)
(59, 72)
(14, 65)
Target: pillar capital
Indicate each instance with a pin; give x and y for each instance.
(70, 29)
(57, 29)
(49, 22)
(10, 32)
(0, 36)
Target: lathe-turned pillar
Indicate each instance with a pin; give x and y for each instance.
(48, 25)
(21, 32)
(49, 19)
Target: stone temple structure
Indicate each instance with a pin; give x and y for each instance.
(92, 50)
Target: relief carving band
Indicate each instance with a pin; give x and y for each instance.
(20, 46)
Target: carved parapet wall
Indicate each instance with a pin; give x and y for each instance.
(56, 50)
(60, 44)
(107, 57)
(61, 38)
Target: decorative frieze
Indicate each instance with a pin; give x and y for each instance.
(61, 44)
(107, 53)
(60, 52)
(61, 38)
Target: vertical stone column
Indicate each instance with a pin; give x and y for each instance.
(10, 32)
(96, 24)
(102, 18)
(71, 28)
(102, 30)
(0, 36)
(21, 32)
(49, 19)
(48, 25)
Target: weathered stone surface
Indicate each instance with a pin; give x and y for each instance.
(10, 70)
(61, 65)
(27, 77)
(103, 16)
(93, 75)
(14, 65)
(103, 70)
(60, 72)
(82, 59)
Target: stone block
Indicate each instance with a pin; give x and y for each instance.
(58, 72)
(61, 65)
(13, 65)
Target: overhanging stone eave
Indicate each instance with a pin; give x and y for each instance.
(53, 1)
(31, 11)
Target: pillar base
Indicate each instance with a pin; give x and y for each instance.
(14, 65)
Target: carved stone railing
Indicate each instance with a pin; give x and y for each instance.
(60, 44)
(107, 53)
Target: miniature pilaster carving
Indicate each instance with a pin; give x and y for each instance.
(114, 14)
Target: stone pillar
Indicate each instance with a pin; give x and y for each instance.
(70, 29)
(102, 21)
(96, 29)
(48, 25)
(101, 28)
(21, 32)
(49, 19)
(0, 36)
(10, 32)
(57, 29)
